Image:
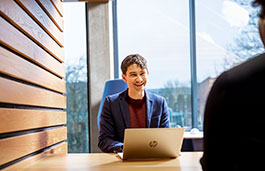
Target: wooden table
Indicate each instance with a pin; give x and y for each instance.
(188, 161)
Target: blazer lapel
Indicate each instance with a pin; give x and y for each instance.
(149, 107)
(125, 109)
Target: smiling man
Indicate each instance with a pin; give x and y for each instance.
(133, 108)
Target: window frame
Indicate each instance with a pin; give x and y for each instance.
(193, 69)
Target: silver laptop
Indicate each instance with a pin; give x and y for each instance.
(151, 143)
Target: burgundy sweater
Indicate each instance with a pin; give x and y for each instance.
(137, 111)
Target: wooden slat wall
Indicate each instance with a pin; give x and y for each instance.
(19, 146)
(42, 19)
(57, 149)
(28, 49)
(23, 119)
(32, 86)
(58, 5)
(51, 11)
(18, 17)
(104, 1)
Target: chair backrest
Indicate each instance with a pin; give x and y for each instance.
(111, 87)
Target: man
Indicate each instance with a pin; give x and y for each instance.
(234, 119)
(133, 108)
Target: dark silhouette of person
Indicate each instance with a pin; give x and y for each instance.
(234, 118)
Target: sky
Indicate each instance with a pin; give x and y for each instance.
(74, 31)
(159, 31)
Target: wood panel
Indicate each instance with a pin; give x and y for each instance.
(33, 74)
(35, 11)
(13, 13)
(104, 1)
(19, 146)
(19, 93)
(15, 40)
(57, 149)
(51, 11)
(59, 6)
(23, 119)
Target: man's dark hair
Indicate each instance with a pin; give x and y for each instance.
(262, 11)
(133, 59)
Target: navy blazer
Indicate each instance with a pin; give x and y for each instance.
(114, 119)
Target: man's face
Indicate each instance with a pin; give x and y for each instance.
(136, 78)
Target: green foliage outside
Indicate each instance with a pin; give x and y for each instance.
(77, 107)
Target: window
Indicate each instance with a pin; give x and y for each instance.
(159, 31)
(76, 76)
(227, 35)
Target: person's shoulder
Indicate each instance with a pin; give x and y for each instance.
(251, 68)
(116, 96)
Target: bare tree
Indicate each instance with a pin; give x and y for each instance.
(77, 110)
(248, 43)
(179, 102)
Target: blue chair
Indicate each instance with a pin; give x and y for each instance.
(111, 87)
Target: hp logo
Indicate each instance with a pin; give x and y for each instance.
(153, 144)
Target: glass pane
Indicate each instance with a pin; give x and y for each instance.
(227, 35)
(76, 76)
(159, 31)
